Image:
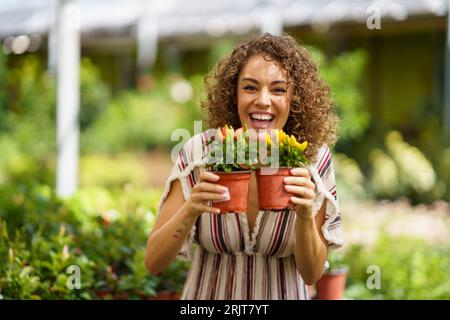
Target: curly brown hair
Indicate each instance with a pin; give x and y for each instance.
(311, 115)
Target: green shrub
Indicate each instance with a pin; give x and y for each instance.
(113, 171)
(410, 269)
(401, 170)
(28, 117)
(344, 74)
(102, 232)
(136, 121)
(94, 94)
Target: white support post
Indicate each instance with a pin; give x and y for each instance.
(68, 96)
(51, 37)
(271, 20)
(147, 36)
(147, 42)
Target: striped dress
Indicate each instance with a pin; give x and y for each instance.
(230, 263)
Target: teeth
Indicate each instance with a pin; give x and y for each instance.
(257, 116)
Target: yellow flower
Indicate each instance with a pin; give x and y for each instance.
(282, 137)
(292, 141)
(302, 146)
(268, 140)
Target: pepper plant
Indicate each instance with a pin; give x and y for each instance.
(291, 152)
(229, 150)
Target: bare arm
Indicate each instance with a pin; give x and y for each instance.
(311, 248)
(176, 219)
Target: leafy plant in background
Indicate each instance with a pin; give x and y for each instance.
(3, 77)
(28, 117)
(115, 170)
(102, 232)
(30, 100)
(410, 269)
(403, 170)
(344, 74)
(34, 267)
(191, 108)
(135, 121)
(350, 180)
(387, 167)
(336, 261)
(94, 94)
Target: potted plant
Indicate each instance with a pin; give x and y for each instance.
(331, 286)
(228, 159)
(271, 191)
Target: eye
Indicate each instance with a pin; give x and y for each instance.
(250, 88)
(279, 90)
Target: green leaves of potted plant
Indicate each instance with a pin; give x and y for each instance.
(271, 192)
(332, 284)
(228, 159)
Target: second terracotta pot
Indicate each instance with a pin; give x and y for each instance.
(332, 285)
(237, 183)
(271, 192)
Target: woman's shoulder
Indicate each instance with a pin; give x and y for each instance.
(197, 140)
(193, 148)
(323, 155)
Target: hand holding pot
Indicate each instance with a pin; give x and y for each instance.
(204, 192)
(300, 184)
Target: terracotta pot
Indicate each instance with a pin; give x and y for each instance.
(237, 183)
(332, 285)
(271, 191)
(176, 296)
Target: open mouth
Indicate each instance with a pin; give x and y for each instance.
(261, 120)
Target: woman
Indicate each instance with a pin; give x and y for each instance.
(267, 83)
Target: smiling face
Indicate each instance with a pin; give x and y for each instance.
(263, 94)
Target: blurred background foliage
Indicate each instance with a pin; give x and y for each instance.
(101, 231)
(410, 268)
(125, 159)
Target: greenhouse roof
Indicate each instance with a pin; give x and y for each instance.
(182, 17)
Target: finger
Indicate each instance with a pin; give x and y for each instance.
(205, 208)
(211, 187)
(208, 176)
(209, 196)
(303, 172)
(301, 191)
(300, 181)
(301, 202)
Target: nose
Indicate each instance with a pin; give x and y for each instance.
(263, 98)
